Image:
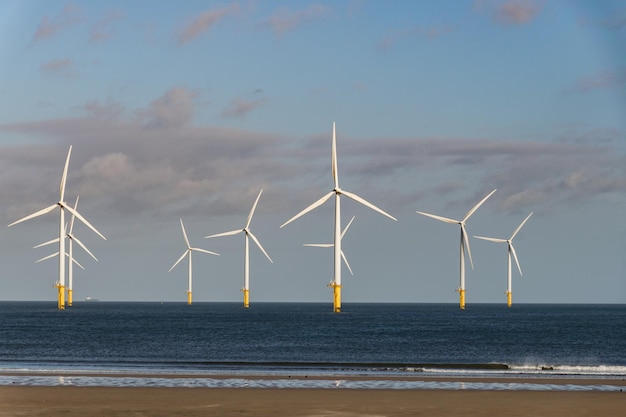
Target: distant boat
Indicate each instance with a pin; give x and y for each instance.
(91, 299)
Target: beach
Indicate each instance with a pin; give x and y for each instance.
(92, 401)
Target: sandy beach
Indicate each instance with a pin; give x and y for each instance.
(70, 401)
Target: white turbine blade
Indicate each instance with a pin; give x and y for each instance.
(184, 233)
(39, 213)
(440, 218)
(253, 208)
(309, 208)
(76, 262)
(73, 217)
(232, 232)
(346, 262)
(64, 177)
(205, 251)
(367, 204)
(512, 249)
(520, 226)
(347, 227)
(466, 242)
(491, 239)
(82, 219)
(259, 245)
(179, 259)
(50, 242)
(480, 203)
(75, 239)
(47, 257)
(319, 245)
(333, 157)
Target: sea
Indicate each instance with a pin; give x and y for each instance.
(306, 345)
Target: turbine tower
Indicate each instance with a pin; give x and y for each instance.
(510, 250)
(464, 244)
(330, 245)
(337, 192)
(60, 284)
(188, 253)
(246, 256)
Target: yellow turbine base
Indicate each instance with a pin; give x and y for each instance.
(462, 299)
(189, 297)
(336, 298)
(60, 296)
(69, 298)
(509, 298)
(246, 298)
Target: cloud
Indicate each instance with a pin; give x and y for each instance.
(284, 20)
(616, 21)
(174, 109)
(59, 68)
(607, 80)
(239, 108)
(49, 27)
(100, 31)
(517, 12)
(418, 32)
(205, 21)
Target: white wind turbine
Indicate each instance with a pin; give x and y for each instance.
(330, 245)
(246, 257)
(62, 207)
(510, 250)
(188, 253)
(70, 253)
(337, 192)
(463, 245)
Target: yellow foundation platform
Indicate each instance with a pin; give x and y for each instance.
(246, 298)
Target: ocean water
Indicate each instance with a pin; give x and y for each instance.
(100, 343)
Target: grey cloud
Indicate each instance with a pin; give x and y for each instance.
(59, 68)
(204, 22)
(50, 26)
(284, 20)
(240, 108)
(101, 31)
(517, 12)
(174, 109)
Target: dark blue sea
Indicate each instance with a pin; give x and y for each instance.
(103, 343)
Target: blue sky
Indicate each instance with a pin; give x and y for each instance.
(188, 109)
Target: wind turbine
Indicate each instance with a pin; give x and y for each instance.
(60, 285)
(463, 245)
(188, 253)
(337, 192)
(510, 250)
(70, 270)
(246, 257)
(330, 245)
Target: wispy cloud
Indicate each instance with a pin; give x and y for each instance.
(517, 12)
(63, 68)
(285, 20)
(101, 31)
(50, 26)
(205, 21)
(606, 80)
(239, 107)
(418, 32)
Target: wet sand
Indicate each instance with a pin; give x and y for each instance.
(69, 401)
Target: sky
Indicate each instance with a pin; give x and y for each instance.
(188, 109)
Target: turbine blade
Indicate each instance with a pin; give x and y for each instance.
(232, 232)
(467, 246)
(440, 218)
(76, 262)
(46, 243)
(347, 227)
(179, 259)
(39, 213)
(253, 208)
(185, 234)
(82, 219)
(367, 204)
(491, 239)
(205, 251)
(480, 203)
(520, 226)
(75, 239)
(512, 249)
(64, 177)
(47, 257)
(259, 245)
(73, 217)
(346, 262)
(333, 157)
(309, 208)
(319, 245)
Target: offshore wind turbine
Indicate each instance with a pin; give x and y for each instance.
(70, 253)
(510, 250)
(246, 256)
(60, 285)
(330, 245)
(464, 244)
(188, 254)
(337, 192)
